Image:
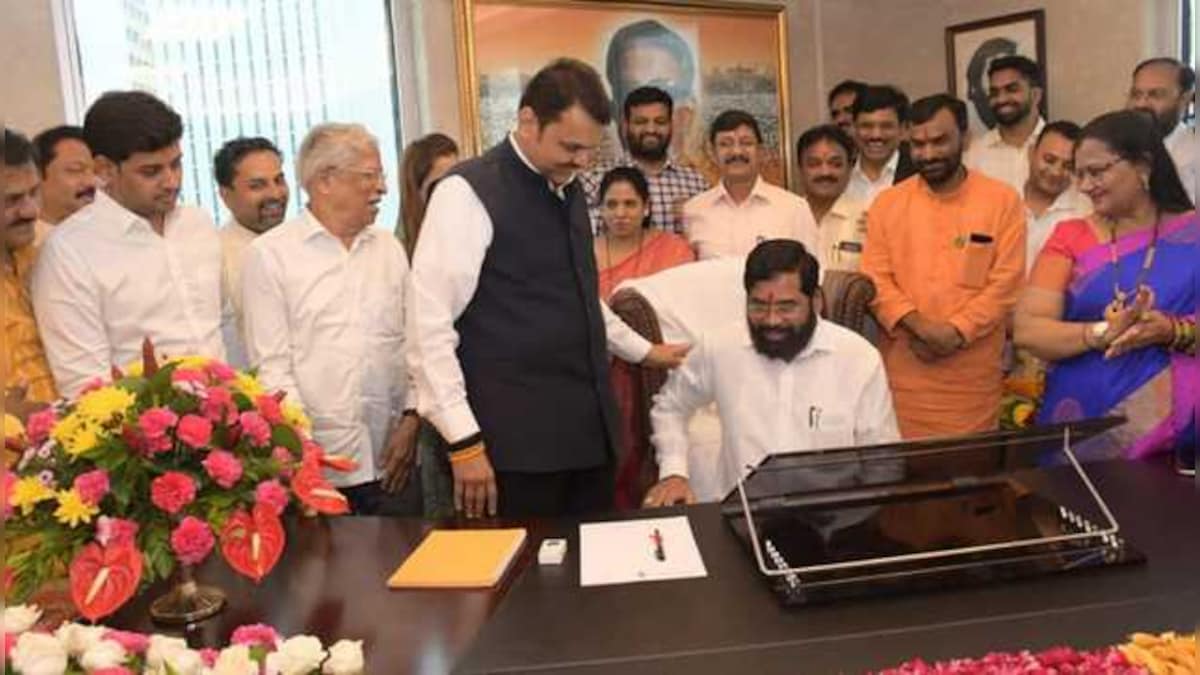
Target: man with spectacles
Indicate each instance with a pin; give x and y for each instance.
(1164, 88)
(730, 219)
(133, 264)
(324, 304)
(785, 381)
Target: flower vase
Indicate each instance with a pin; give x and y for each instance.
(187, 602)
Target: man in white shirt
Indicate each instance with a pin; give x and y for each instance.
(68, 175)
(787, 381)
(1015, 94)
(133, 264)
(1049, 192)
(324, 314)
(508, 332)
(249, 172)
(1164, 87)
(743, 209)
(826, 154)
(880, 126)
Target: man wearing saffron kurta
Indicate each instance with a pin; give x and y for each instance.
(946, 250)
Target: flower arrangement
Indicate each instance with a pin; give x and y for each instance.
(156, 469)
(256, 649)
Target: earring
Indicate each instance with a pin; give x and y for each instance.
(1145, 183)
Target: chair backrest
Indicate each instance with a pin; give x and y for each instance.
(846, 300)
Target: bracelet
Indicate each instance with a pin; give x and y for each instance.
(1185, 336)
(466, 454)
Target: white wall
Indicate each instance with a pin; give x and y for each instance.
(30, 90)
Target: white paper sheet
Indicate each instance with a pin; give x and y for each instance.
(623, 552)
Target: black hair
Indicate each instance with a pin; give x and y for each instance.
(47, 143)
(845, 87)
(826, 132)
(1065, 128)
(1187, 76)
(633, 176)
(1132, 136)
(654, 32)
(562, 84)
(781, 256)
(121, 123)
(730, 120)
(880, 97)
(18, 151)
(226, 161)
(1025, 66)
(924, 109)
(646, 96)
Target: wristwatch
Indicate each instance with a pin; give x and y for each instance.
(1098, 330)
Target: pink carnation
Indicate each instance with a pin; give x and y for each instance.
(10, 641)
(268, 407)
(209, 656)
(284, 457)
(192, 541)
(134, 643)
(223, 467)
(115, 531)
(221, 372)
(254, 426)
(194, 431)
(218, 405)
(272, 494)
(154, 425)
(187, 375)
(255, 635)
(39, 425)
(172, 491)
(92, 486)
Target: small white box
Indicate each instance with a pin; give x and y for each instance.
(552, 551)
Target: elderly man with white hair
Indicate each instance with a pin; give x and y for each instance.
(324, 319)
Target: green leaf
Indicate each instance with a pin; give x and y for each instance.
(286, 436)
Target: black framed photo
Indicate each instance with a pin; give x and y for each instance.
(970, 47)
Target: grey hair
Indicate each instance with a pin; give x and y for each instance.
(331, 146)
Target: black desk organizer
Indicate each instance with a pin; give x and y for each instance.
(819, 543)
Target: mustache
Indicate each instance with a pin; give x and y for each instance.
(745, 159)
(825, 179)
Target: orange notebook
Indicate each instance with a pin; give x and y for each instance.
(459, 559)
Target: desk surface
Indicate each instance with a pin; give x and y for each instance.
(331, 584)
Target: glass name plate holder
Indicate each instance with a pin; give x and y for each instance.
(833, 524)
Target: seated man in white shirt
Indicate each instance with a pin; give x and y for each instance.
(133, 264)
(249, 172)
(743, 209)
(787, 381)
(1165, 87)
(826, 154)
(1050, 193)
(324, 304)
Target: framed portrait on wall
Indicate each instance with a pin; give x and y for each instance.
(971, 47)
(708, 56)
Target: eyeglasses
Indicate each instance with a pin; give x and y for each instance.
(1095, 173)
(758, 309)
(374, 176)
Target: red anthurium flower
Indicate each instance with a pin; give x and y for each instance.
(338, 462)
(103, 578)
(252, 542)
(317, 493)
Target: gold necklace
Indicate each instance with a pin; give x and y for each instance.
(1120, 298)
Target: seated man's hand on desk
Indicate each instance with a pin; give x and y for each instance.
(669, 491)
(474, 482)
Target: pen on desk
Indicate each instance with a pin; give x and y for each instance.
(656, 537)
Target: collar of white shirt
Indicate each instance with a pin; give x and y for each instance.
(889, 169)
(821, 342)
(559, 190)
(760, 191)
(238, 230)
(844, 207)
(310, 228)
(992, 138)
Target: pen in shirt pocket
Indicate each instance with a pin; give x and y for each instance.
(814, 417)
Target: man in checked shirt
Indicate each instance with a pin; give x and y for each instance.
(646, 129)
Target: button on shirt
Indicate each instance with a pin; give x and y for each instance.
(833, 394)
(105, 280)
(1070, 204)
(1184, 147)
(840, 235)
(992, 155)
(670, 188)
(326, 325)
(718, 227)
(862, 189)
(455, 238)
(235, 239)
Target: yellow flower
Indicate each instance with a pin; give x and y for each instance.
(294, 416)
(105, 405)
(76, 434)
(13, 427)
(1021, 414)
(72, 510)
(189, 362)
(27, 492)
(248, 386)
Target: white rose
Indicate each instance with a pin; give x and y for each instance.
(299, 655)
(39, 654)
(77, 638)
(184, 662)
(20, 618)
(160, 645)
(235, 660)
(103, 654)
(345, 658)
